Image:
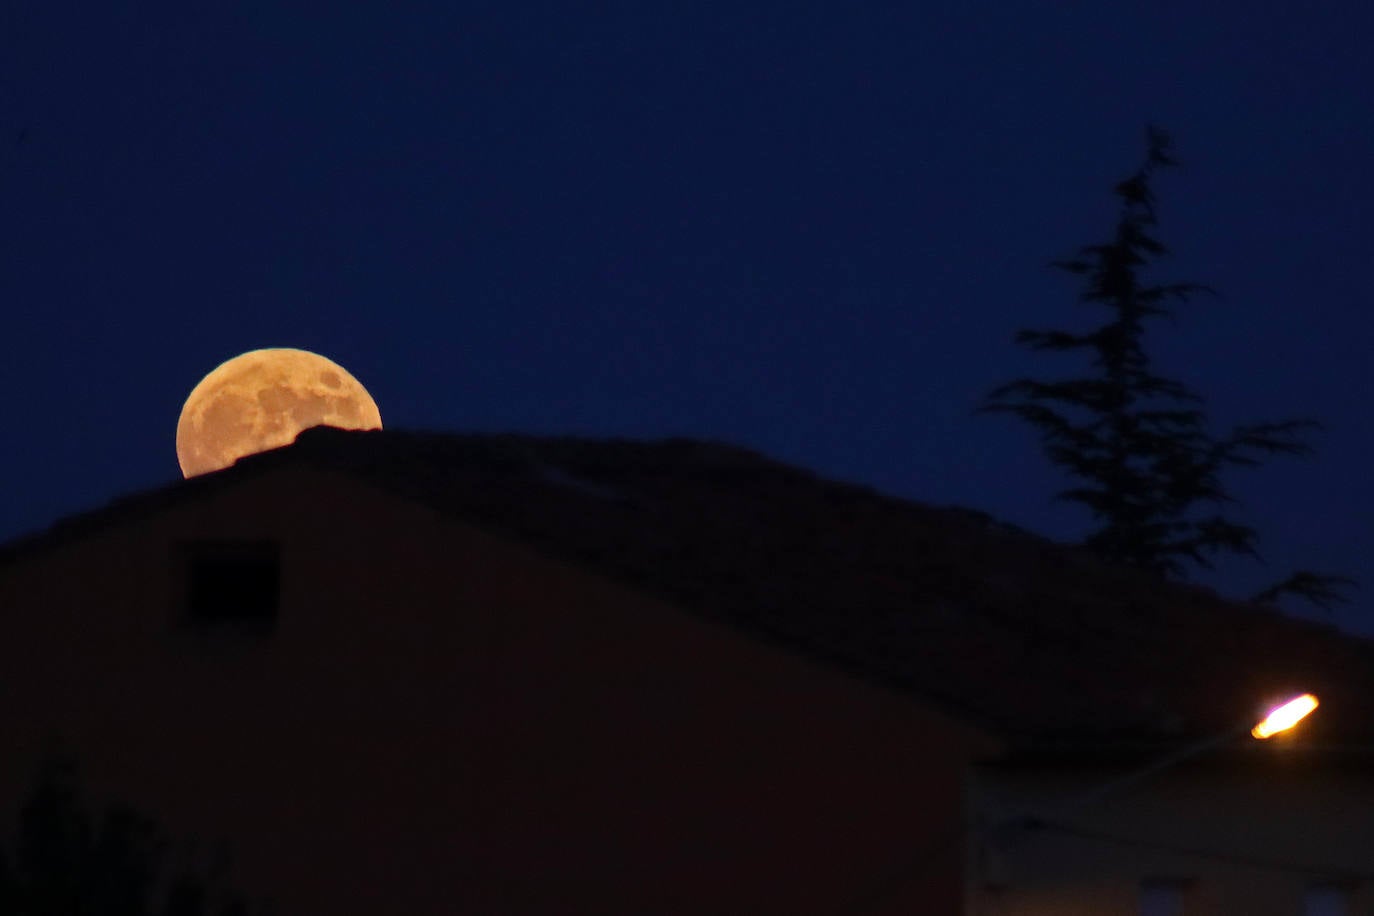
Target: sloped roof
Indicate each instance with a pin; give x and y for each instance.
(1038, 641)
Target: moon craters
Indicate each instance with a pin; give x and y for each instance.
(261, 400)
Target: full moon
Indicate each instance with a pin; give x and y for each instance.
(261, 400)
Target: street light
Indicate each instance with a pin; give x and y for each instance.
(999, 842)
(1279, 719)
(1282, 718)
(1002, 832)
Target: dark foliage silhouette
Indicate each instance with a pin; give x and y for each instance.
(65, 861)
(1137, 445)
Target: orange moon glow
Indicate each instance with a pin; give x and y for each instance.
(261, 400)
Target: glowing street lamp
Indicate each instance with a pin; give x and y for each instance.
(1000, 835)
(1282, 718)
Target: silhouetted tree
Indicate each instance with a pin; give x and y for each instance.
(1138, 445)
(67, 863)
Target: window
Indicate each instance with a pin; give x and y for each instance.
(1161, 897)
(1326, 900)
(231, 582)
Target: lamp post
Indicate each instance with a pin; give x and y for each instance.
(1006, 832)
(1279, 719)
(1002, 834)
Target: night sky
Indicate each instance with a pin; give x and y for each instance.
(810, 229)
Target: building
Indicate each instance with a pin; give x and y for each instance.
(510, 675)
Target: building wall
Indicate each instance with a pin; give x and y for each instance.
(1251, 832)
(444, 721)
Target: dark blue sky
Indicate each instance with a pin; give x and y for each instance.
(807, 228)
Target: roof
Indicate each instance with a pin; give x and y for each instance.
(1038, 641)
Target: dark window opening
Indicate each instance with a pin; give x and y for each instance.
(235, 582)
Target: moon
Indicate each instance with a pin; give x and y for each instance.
(261, 400)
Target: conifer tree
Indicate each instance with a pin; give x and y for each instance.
(1137, 445)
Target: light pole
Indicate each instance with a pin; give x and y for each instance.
(1003, 833)
(1279, 719)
